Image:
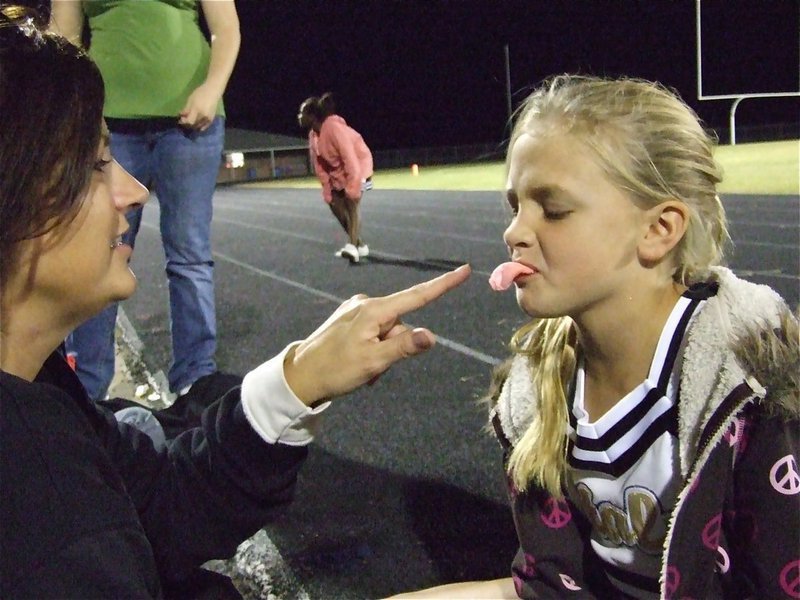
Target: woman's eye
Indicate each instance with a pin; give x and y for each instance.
(101, 163)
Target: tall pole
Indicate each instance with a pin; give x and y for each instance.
(699, 36)
(508, 81)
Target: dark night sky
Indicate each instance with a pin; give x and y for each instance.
(410, 73)
(413, 73)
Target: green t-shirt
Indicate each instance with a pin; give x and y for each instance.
(152, 55)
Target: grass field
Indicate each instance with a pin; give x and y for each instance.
(764, 168)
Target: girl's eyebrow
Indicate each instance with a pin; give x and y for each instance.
(538, 193)
(542, 193)
(549, 193)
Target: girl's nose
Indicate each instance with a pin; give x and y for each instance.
(515, 235)
(126, 190)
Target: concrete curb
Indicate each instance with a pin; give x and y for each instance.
(132, 379)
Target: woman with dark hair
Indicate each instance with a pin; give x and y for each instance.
(343, 163)
(89, 506)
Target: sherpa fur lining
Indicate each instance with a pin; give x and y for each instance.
(517, 401)
(774, 353)
(711, 369)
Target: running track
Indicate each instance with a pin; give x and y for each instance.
(403, 488)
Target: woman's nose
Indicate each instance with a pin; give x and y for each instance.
(126, 190)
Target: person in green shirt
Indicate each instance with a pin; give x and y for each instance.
(164, 84)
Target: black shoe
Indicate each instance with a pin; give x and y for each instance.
(185, 413)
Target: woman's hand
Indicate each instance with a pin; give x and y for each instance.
(362, 339)
(200, 109)
(223, 25)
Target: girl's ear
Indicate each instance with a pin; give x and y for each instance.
(666, 226)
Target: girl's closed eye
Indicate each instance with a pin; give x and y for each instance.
(513, 202)
(556, 214)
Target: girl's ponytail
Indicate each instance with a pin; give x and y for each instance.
(540, 455)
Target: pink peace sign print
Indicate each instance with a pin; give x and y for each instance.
(529, 569)
(790, 579)
(672, 579)
(555, 513)
(736, 436)
(784, 476)
(712, 532)
(569, 583)
(517, 584)
(723, 561)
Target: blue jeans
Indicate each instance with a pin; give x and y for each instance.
(181, 169)
(144, 421)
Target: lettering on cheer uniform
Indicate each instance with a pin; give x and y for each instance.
(623, 474)
(631, 525)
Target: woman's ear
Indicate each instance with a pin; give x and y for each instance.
(666, 226)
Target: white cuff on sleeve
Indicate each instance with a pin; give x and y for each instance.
(272, 409)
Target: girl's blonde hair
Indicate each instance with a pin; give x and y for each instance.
(652, 145)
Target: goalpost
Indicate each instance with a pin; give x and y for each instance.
(737, 98)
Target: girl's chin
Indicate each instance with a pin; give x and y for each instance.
(527, 304)
(535, 310)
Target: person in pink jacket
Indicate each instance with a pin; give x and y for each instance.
(343, 163)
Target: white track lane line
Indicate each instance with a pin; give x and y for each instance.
(446, 342)
(453, 236)
(316, 240)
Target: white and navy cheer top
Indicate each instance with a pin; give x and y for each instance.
(624, 474)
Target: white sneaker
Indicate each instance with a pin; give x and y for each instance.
(340, 252)
(350, 252)
(363, 250)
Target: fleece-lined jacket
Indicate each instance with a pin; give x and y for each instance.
(341, 158)
(734, 531)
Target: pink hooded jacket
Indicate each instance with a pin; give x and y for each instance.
(340, 157)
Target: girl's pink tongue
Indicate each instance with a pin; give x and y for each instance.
(504, 275)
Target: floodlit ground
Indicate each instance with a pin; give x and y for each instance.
(763, 168)
(766, 168)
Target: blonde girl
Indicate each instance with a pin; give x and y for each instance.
(649, 413)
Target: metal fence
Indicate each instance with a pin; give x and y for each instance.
(440, 155)
(263, 165)
(291, 162)
(403, 158)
